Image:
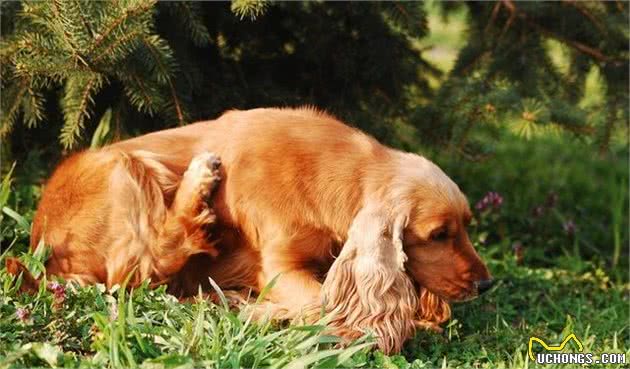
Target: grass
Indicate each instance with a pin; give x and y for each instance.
(93, 327)
(551, 284)
(589, 191)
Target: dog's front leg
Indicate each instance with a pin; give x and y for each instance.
(296, 288)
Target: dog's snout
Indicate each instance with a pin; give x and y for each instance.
(484, 285)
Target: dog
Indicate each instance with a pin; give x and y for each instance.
(371, 235)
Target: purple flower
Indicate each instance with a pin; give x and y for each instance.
(59, 291)
(22, 314)
(492, 200)
(569, 228)
(57, 288)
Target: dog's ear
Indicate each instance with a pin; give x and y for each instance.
(433, 310)
(366, 288)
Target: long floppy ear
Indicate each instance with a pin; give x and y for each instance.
(366, 288)
(433, 311)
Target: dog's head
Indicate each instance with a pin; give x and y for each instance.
(411, 231)
(440, 255)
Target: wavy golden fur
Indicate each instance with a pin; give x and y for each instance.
(374, 236)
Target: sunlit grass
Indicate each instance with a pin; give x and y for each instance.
(541, 294)
(94, 327)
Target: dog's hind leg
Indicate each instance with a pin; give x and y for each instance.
(190, 217)
(156, 240)
(108, 214)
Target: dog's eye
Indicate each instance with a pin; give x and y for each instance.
(439, 235)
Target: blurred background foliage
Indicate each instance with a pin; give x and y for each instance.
(528, 99)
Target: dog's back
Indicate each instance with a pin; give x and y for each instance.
(282, 171)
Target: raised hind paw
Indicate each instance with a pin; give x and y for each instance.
(198, 184)
(203, 172)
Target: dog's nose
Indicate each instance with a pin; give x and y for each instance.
(484, 285)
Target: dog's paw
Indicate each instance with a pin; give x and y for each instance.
(265, 311)
(429, 326)
(202, 174)
(198, 184)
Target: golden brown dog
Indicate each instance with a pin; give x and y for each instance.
(375, 236)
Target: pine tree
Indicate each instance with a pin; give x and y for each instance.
(154, 63)
(133, 66)
(85, 47)
(505, 73)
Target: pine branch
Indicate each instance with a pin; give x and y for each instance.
(79, 93)
(249, 8)
(9, 47)
(188, 12)
(409, 17)
(39, 55)
(470, 122)
(126, 15)
(164, 72)
(493, 17)
(33, 107)
(588, 50)
(64, 24)
(145, 97)
(111, 53)
(87, 25)
(10, 115)
(586, 14)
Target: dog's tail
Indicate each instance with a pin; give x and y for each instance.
(29, 284)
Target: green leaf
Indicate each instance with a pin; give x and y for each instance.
(101, 134)
(308, 360)
(219, 292)
(5, 187)
(347, 353)
(47, 352)
(267, 288)
(21, 221)
(169, 361)
(35, 261)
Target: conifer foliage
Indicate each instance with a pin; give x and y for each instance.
(505, 72)
(133, 66)
(85, 46)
